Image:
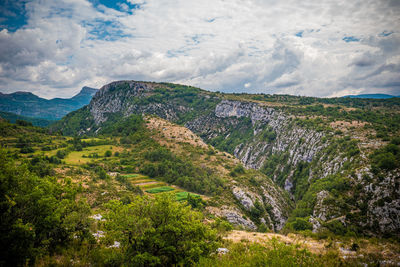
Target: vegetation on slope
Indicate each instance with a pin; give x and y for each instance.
(74, 178)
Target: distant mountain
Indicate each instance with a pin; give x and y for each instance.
(30, 105)
(374, 96)
(14, 117)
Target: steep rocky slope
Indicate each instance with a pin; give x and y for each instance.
(323, 162)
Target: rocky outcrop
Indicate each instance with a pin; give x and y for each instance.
(247, 109)
(278, 214)
(243, 198)
(234, 216)
(382, 199)
(116, 97)
(267, 195)
(320, 210)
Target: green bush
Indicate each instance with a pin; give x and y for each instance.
(300, 224)
(61, 154)
(386, 158)
(107, 154)
(159, 232)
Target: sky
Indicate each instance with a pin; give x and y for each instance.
(322, 48)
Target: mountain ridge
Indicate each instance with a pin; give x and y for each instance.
(30, 105)
(371, 96)
(35, 121)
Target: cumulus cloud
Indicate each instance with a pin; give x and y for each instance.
(318, 48)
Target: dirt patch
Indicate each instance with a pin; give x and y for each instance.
(344, 125)
(174, 132)
(313, 245)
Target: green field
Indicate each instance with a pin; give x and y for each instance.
(130, 175)
(82, 157)
(160, 189)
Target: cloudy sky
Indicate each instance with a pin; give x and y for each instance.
(316, 48)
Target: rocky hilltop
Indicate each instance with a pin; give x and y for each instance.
(327, 154)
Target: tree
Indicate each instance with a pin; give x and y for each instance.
(36, 214)
(300, 224)
(61, 154)
(159, 231)
(107, 154)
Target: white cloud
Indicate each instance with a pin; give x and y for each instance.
(214, 44)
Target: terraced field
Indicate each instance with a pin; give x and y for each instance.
(152, 186)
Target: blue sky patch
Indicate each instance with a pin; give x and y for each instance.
(349, 39)
(299, 34)
(117, 5)
(385, 33)
(12, 15)
(105, 30)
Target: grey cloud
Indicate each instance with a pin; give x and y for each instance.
(249, 42)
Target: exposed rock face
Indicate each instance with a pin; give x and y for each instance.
(242, 109)
(383, 201)
(320, 210)
(278, 214)
(109, 100)
(301, 144)
(267, 195)
(244, 199)
(234, 216)
(316, 225)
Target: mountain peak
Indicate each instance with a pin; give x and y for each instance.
(88, 90)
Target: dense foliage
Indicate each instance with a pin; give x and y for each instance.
(173, 169)
(37, 214)
(159, 232)
(243, 131)
(386, 158)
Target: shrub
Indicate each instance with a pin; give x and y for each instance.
(61, 154)
(300, 224)
(108, 153)
(160, 231)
